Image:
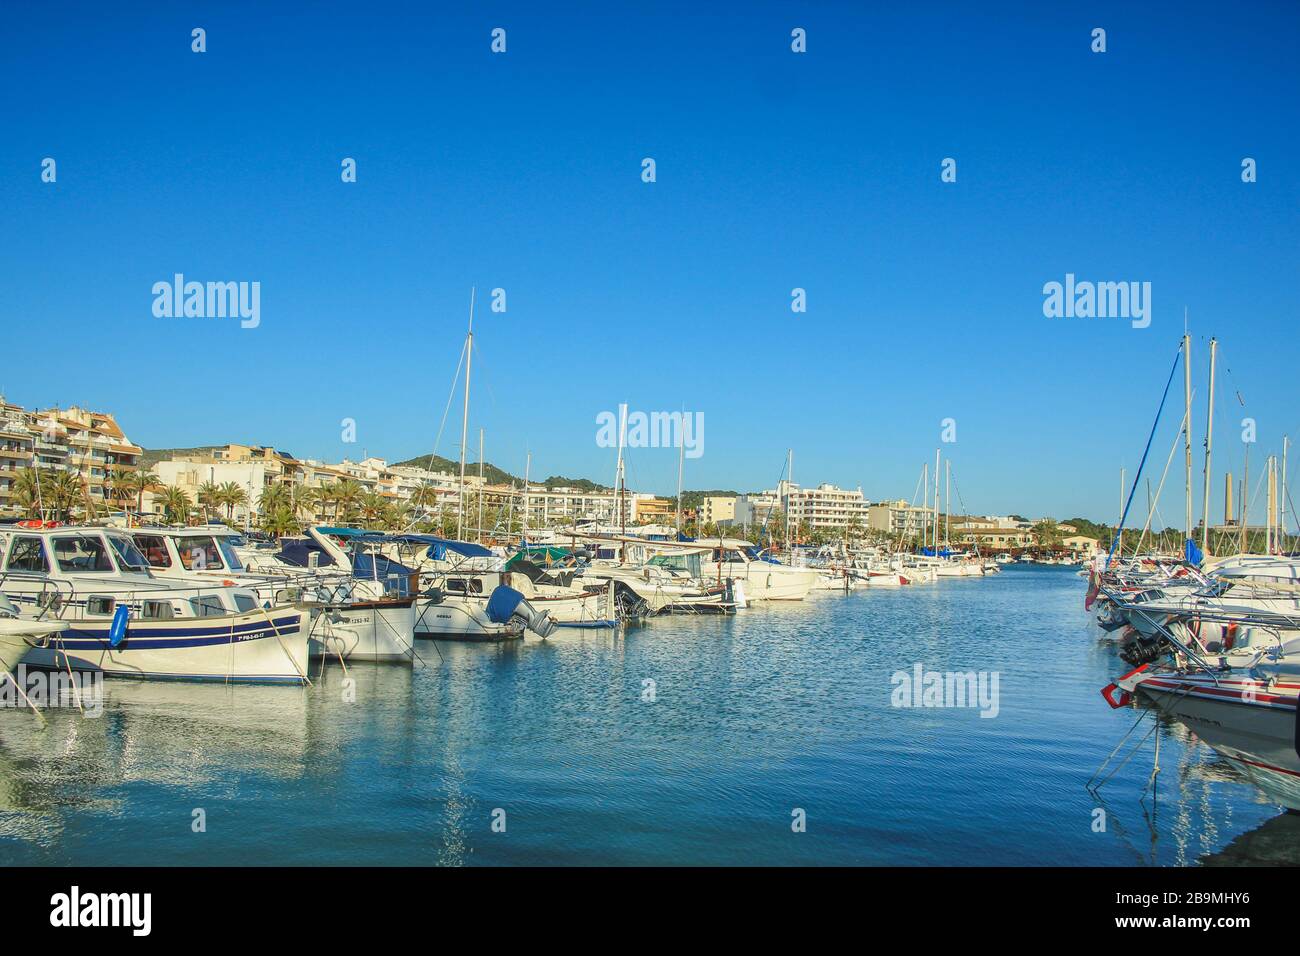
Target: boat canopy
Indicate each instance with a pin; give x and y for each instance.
(540, 555)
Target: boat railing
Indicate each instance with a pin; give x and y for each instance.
(57, 595)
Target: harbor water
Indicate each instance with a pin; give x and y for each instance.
(768, 738)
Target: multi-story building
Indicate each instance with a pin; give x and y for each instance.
(718, 509)
(898, 518)
(825, 508)
(17, 448)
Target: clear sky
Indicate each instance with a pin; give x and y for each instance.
(775, 170)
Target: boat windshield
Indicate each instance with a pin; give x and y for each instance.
(81, 554)
(228, 552)
(199, 553)
(128, 555)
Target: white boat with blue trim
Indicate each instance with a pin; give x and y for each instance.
(122, 620)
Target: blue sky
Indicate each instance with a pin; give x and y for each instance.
(775, 170)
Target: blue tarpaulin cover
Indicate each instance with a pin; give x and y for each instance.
(501, 605)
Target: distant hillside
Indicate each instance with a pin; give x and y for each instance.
(491, 473)
(152, 456)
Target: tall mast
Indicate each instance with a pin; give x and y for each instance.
(1187, 428)
(681, 462)
(618, 469)
(1281, 525)
(936, 502)
(947, 497)
(789, 498)
(1209, 444)
(464, 422)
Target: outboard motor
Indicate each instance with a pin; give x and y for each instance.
(628, 605)
(1141, 649)
(505, 604)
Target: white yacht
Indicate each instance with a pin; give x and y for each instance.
(126, 622)
(351, 619)
(762, 578)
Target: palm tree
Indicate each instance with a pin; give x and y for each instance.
(395, 516)
(303, 500)
(62, 492)
(176, 505)
(208, 495)
(372, 505)
(424, 497)
(138, 480)
(29, 491)
(280, 522)
(232, 493)
(346, 494)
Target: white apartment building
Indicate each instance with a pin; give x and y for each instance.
(825, 508)
(899, 518)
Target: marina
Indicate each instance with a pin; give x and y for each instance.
(754, 714)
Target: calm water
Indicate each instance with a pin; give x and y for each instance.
(778, 708)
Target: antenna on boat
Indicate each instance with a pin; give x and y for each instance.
(464, 426)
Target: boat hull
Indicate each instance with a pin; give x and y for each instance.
(255, 647)
(1251, 726)
(381, 631)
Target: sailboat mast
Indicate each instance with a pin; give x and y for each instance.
(947, 498)
(936, 502)
(1284, 494)
(1187, 429)
(681, 462)
(789, 497)
(1209, 445)
(618, 469)
(464, 422)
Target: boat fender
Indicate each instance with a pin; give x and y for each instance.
(1124, 696)
(1229, 636)
(117, 630)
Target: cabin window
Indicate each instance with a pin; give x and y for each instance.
(156, 610)
(81, 553)
(199, 554)
(129, 557)
(100, 605)
(245, 602)
(288, 596)
(208, 605)
(28, 554)
(458, 585)
(155, 550)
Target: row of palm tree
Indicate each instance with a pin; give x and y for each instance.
(229, 495)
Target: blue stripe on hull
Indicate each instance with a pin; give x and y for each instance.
(145, 644)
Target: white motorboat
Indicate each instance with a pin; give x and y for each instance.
(763, 579)
(18, 636)
(350, 619)
(1240, 700)
(125, 622)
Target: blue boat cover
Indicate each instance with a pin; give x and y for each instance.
(502, 603)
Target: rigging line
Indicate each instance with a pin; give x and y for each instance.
(438, 440)
(1155, 502)
(1133, 490)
